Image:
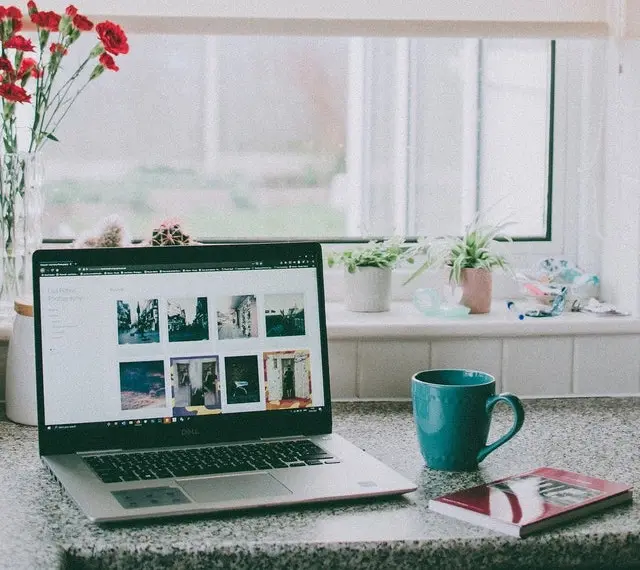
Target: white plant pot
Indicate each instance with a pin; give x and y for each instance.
(20, 372)
(368, 289)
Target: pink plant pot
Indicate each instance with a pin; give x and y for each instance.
(476, 290)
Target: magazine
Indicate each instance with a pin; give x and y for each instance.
(522, 504)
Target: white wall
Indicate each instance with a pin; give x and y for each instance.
(621, 194)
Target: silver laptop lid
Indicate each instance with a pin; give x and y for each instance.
(159, 346)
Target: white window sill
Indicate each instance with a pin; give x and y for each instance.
(405, 321)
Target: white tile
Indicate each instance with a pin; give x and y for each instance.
(537, 366)
(474, 354)
(607, 364)
(342, 368)
(385, 367)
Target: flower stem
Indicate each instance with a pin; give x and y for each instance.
(61, 103)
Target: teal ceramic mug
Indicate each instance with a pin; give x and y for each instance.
(452, 412)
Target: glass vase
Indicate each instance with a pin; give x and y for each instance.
(21, 207)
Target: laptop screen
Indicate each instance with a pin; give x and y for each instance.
(187, 340)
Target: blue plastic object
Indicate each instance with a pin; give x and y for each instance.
(429, 303)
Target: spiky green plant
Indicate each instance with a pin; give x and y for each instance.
(388, 254)
(473, 250)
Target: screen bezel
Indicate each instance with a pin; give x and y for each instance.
(199, 430)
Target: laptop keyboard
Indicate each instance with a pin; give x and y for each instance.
(136, 466)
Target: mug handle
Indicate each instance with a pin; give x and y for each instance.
(518, 412)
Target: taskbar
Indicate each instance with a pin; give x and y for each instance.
(168, 420)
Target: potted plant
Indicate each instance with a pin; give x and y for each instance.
(368, 272)
(471, 258)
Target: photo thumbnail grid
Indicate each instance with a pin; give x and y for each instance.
(204, 384)
(237, 317)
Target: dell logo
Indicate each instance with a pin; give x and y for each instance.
(189, 432)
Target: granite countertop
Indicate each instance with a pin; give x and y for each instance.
(41, 528)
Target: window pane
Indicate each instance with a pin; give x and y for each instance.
(481, 134)
(514, 133)
(380, 113)
(445, 80)
(237, 137)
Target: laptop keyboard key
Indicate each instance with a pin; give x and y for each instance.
(163, 473)
(127, 476)
(318, 456)
(110, 478)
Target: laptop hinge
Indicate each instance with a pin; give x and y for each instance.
(99, 452)
(284, 438)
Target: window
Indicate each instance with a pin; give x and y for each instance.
(451, 126)
(311, 137)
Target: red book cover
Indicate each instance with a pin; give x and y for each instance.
(528, 502)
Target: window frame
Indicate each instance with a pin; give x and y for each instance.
(410, 18)
(403, 186)
(403, 132)
(461, 18)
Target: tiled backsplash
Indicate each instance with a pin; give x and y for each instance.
(554, 365)
(527, 366)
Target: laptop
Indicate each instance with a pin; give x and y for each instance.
(190, 379)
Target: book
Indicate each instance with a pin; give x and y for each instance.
(529, 502)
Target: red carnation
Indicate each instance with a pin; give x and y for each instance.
(57, 48)
(16, 18)
(112, 37)
(108, 62)
(20, 43)
(82, 23)
(31, 7)
(71, 10)
(5, 65)
(15, 93)
(47, 20)
(29, 66)
(14, 13)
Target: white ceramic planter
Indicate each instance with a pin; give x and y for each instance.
(368, 289)
(20, 373)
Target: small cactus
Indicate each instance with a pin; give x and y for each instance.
(111, 232)
(170, 233)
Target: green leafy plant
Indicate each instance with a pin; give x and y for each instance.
(382, 253)
(475, 249)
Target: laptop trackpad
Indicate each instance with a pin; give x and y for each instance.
(233, 488)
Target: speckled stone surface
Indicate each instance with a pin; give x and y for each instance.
(41, 528)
